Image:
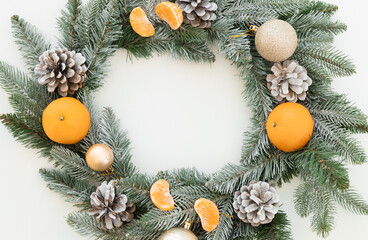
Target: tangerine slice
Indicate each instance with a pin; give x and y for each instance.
(208, 213)
(160, 195)
(140, 23)
(170, 13)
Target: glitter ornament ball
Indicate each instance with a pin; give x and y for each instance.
(276, 40)
(99, 157)
(178, 234)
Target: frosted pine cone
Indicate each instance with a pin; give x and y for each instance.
(257, 203)
(113, 207)
(289, 80)
(61, 69)
(198, 13)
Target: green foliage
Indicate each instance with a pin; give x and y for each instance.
(97, 30)
(99, 27)
(112, 136)
(311, 198)
(67, 24)
(73, 164)
(74, 190)
(88, 226)
(19, 128)
(278, 229)
(31, 43)
(318, 161)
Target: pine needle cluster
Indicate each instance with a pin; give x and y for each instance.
(97, 29)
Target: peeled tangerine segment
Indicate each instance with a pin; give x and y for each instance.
(140, 23)
(170, 13)
(160, 195)
(208, 213)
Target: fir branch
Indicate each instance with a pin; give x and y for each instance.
(14, 81)
(322, 7)
(67, 23)
(225, 227)
(25, 107)
(73, 164)
(303, 200)
(333, 62)
(112, 136)
(323, 220)
(242, 231)
(31, 42)
(74, 190)
(278, 229)
(93, 135)
(256, 142)
(87, 225)
(316, 20)
(158, 220)
(340, 139)
(232, 177)
(320, 204)
(309, 38)
(22, 133)
(256, 91)
(185, 176)
(350, 200)
(318, 161)
(98, 29)
(137, 188)
(339, 111)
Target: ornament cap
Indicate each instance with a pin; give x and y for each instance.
(187, 225)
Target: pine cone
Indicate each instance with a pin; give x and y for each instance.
(199, 13)
(113, 207)
(62, 69)
(257, 203)
(289, 80)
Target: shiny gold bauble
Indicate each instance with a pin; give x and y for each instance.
(178, 234)
(276, 40)
(99, 157)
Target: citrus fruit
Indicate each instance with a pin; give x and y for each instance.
(208, 213)
(160, 195)
(66, 120)
(170, 13)
(290, 126)
(140, 23)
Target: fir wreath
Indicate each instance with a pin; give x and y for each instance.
(100, 27)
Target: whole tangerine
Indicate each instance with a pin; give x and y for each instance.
(66, 120)
(290, 126)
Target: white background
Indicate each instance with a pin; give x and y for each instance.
(177, 113)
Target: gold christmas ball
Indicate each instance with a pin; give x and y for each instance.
(99, 157)
(276, 40)
(178, 234)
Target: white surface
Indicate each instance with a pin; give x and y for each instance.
(177, 114)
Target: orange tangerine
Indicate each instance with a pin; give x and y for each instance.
(290, 126)
(170, 13)
(140, 23)
(208, 213)
(160, 195)
(66, 120)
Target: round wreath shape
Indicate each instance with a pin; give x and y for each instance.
(301, 128)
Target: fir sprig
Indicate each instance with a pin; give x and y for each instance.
(99, 27)
(30, 41)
